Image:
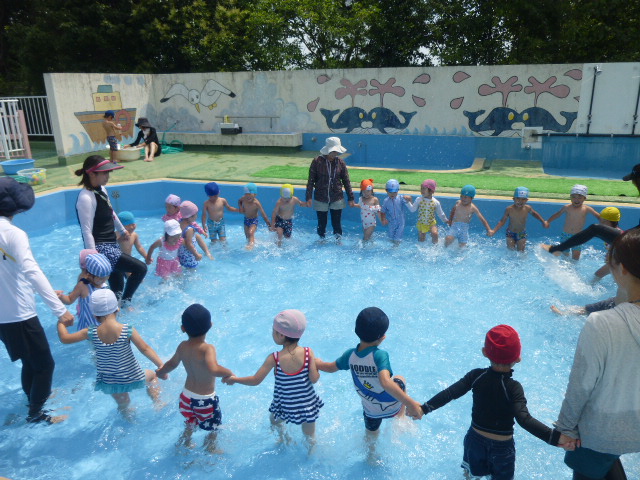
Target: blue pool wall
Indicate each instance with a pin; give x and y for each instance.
(576, 156)
(57, 209)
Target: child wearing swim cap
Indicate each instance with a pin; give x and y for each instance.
(576, 216)
(251, 207)
(428, 207)
(609, 216)
(294, 398)
(133, 239)
(187, 254)
(392, 211)
(282, 214)
(498, 399)
(369, 206)
(460, 218)
(517, 214)
(382, 393)
(199, 404)
(213, 213)
(167, 264)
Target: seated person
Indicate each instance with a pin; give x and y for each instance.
(149, 138)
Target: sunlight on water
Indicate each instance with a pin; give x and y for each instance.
(440, 303)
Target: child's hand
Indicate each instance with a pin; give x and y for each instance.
(66, 319)
(162, 376)
(414, 410)
(59, 293)
(491, 233)
(545, 224)
(209, 256)
(198, 256)
(148, 260)
(384, 222)
(230, 380)
(568, 443)
(407, 198)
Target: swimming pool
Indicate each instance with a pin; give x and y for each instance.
(440, 303)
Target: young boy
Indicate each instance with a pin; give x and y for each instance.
(392, 213)
(199, 403)
(460, 217)
(428, 207)
(382, 394)
(576, 216)
(282, 215)
(609, 216)
(110, 128)
(251, 206)
(517, 215)
(214, 209)
(126, 244)
(489, 449)
(187, 253)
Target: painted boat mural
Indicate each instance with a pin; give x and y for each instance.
(106, 99)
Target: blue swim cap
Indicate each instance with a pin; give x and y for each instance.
(521, 192)
(393, 185)
(251, 188)
(109, 113)
(98, 265)
(126, 218)
(212, 189)
(371, 324)
(468, 190)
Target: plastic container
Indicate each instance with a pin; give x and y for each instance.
(34, 176)
(128, 154)
(11, 167)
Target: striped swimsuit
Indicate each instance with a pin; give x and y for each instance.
(118, 369)
(84, 316)
(294, 398)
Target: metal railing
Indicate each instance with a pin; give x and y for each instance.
(36, 112)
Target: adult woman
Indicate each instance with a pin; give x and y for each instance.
(601, 407)
(327, 175)
(98, 223)
(149, 138)
(20, 277)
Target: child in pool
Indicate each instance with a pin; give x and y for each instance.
(428, 207)
(118, 371)
(294, 398)
(187, 253)
(167, 263)
(133, 240)
(517, 215)
(172, 206)
(282, 215)
(460, 217)
(251, 206)
(489, 449)
(369, 206)
(382, 393)
(609, 216)
(96, 273)
(392, 213)
(576, 216)
(199, 403)
(213, 208)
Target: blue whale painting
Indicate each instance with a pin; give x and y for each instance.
(502, 119)
(357, 120)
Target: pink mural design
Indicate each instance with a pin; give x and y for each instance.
(537, 88)
(456, 103)
(323, 79)
(460, 76)
(419, 101)
(424, 78)
(351, 90)
(312, 105)
(576, 74)
(384, 88)
(505, 88)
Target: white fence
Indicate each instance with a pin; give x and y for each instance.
(36, 113)
(12, 130)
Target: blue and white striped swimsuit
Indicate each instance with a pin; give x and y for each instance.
(187, 259)
(118, 369)
(84, 315)
(294, 398)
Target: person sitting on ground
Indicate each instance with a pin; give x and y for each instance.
(147, 138)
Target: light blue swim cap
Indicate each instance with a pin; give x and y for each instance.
(98, 265)
(251, 188)
(393, 185)
(126, 218)
(212, 189)
(468, 190)
(521, 192)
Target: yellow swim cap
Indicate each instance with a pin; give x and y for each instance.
(611, 213)
(286, 190)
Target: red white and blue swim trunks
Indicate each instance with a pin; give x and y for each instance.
(201, 410)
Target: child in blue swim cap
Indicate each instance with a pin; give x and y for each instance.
(213, 213)
(460, 217)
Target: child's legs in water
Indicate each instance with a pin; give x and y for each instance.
(511, 243)
(575, 254)
(309, 429)
(422, 236)
(434, 234)
(368, 232)
(123, 400)
(521, 244)
(448, 240)
(153, 388)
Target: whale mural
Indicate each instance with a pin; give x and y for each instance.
(502, 119)
(357, 120)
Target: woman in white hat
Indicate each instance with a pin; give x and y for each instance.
(328, 174)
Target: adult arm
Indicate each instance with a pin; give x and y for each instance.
(311, 180)
(346, 182)
(603, 232)
(138, 139)
(86, 209)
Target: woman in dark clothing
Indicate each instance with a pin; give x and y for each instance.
(149, 138)
(327, 175)
(98, 223)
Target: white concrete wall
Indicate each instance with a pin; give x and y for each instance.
(485, 100)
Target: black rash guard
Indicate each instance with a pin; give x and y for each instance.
(497, 400)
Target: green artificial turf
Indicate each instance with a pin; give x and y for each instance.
(485, 181)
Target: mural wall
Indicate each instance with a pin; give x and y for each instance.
(488, 101)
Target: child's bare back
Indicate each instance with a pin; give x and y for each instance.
(198, 357)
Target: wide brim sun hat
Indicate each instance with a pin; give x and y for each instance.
(332, 144)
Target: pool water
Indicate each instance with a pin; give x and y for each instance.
(440, 304)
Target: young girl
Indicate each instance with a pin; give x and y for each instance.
(167, 263)
(187, 253)
(369, 208)
(172, 206)
(94, 275)
(118, 370)
(427, 207)
(294, 398)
